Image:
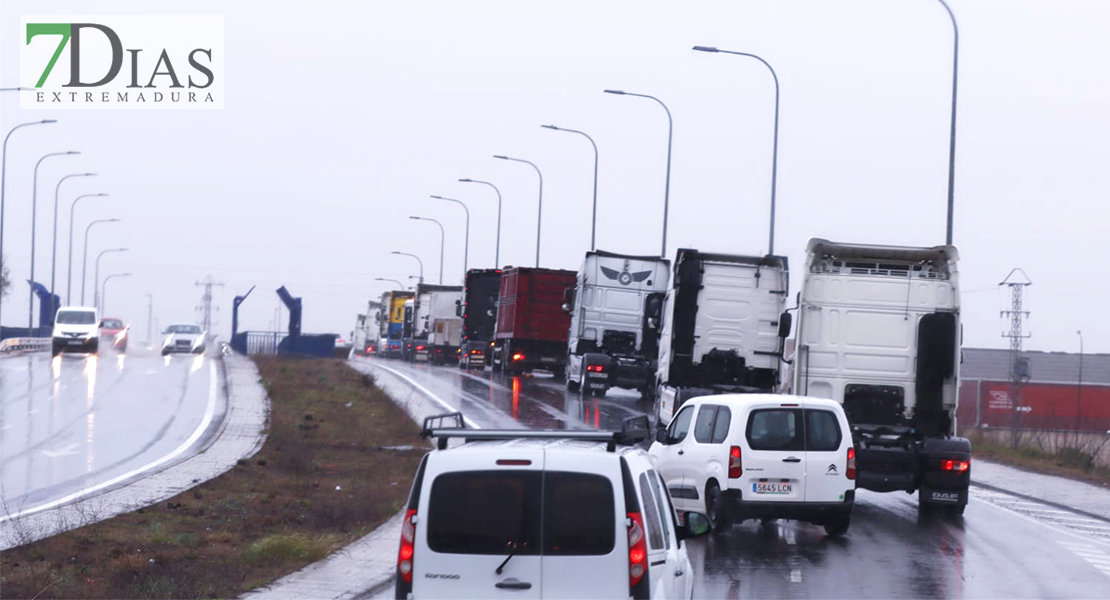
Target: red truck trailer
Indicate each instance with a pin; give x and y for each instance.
(532, 326)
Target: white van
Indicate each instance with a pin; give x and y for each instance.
(765, 456)
(542, 514)
(75, 330)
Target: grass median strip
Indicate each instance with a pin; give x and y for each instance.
(323, 479)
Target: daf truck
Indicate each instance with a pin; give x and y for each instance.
(478, 311)
(879, 332)
(613, 307)
(724, 328)
(531, 331)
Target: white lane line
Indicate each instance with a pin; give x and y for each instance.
(428, 393)
(209, 411)
(1092, 554)
(1057, 527)
(795, 576)
(790, 538)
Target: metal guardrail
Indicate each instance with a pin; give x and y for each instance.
(21, 345)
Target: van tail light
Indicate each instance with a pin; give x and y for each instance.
(595, 368)
(851, 470)
(408, 537)
(637, 549)
(735, 467)
(958, 466)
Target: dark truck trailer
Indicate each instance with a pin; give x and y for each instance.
(479, 316)
(532, 327)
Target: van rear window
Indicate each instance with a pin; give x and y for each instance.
(775, 429)
(485, 512)
(495, 512)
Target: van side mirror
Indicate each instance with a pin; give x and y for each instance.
(784, 325)
(694, 524)
(661, 435)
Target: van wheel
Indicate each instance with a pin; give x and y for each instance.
(714, 508)
(837, 527)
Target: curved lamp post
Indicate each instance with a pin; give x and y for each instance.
(34, 210)
(104, 290)
(399, 284)
(442, 239)
(85, 257)
(497, 249)
(539, 210)
(69, 261)
(420, 262)
(54, 252)
(466, 243)
(593, 222)
(96, 275)
(670, 135)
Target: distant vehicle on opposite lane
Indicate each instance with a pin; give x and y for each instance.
(183, 338)
(75, 330)
(115, 332)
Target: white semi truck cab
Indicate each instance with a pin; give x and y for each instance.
(879, 332)
(724, 323)
(612, 340)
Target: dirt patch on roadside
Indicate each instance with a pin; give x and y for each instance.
(321, 481)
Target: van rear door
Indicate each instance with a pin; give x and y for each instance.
(481, 513)
(826, 454)
(585, 539)
(773, 457)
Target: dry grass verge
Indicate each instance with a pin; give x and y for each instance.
(1067, 462)
(320, 482)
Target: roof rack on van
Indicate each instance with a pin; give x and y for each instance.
(632, 431)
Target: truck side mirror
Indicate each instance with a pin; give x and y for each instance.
(567, 309)
(784, 325)
(458, 308)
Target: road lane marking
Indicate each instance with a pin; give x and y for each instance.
(209, 411)
(796, 576)
(429, 394)
(68, 450)
(1092, 554)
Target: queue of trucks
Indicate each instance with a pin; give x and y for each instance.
(878, 331)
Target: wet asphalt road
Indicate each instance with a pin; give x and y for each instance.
(73, 422)
(1003, 547)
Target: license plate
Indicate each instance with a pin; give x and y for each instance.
(768, 487)
(74, 342)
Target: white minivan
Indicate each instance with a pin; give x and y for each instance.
(542, 514)
(760, 456)
(75, 330)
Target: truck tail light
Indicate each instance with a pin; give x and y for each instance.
(637, 549)
(595, 368)
(518, 356)
(958, 466)
(735, 466)
(850, 471)
(420, 347)
(408, 537)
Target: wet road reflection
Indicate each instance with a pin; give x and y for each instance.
(891, 551)
(71, 422)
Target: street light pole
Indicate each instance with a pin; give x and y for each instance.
(442, 239)
(497, 250)
(34, 210)
(1079, 389)
(775, 150)
(69, 261)
(96, 276)
(466, 243)
(85, 258)
(593, 222)
(104, 291)
(952, 133)
(670, 135)
(539, 209)
(4, 182)
(54, 252)
(420, 262)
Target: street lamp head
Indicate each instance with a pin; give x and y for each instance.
(706, 49)
(73, 152)
(501, 157)
(45, 121)
(417, 218)
(395, 252)
(466, 181)
(618, 92)
(100, 194)
(88, 174)
(112, 220)
(550, 127)
(438, 197)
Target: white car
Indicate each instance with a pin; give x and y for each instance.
(76, 330)
(542, 514)
(760, 456)
(183, 338)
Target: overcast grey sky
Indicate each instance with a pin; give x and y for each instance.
(342, 117)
